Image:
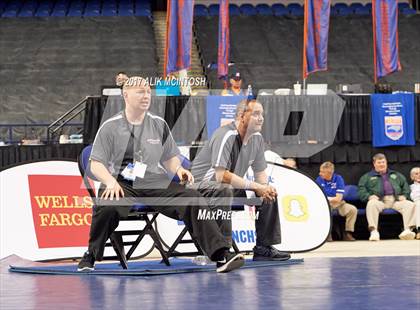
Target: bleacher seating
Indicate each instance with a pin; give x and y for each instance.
(92, 8)
(75, 8)
(67, 59)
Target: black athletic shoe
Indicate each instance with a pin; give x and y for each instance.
(87, 263)
(230, 262)
(262, 253)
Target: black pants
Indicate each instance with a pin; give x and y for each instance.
(219, 197)
(267, 225)
(105, 218)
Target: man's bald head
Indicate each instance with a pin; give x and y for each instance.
(137, 93)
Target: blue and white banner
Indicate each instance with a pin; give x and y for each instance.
(392, 119)
(220, 111)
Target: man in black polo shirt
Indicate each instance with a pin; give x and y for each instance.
(225, 159)
(131, 156)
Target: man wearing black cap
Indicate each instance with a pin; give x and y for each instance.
(235, 86)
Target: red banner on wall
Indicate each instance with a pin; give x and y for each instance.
(61, 210)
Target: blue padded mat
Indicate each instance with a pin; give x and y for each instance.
(142, 268)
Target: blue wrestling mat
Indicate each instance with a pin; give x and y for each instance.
(142, 268)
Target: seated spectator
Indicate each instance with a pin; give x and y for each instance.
(235, 88)
(384, 188)
(333, 186)
(415, 195)
(290, 162)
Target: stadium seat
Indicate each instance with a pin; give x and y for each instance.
(362, 11)
(126, 11)
(10, 13)
(234, 10)
(200, 10)
(293, 6)
(408, 11)
(341, 5)
(143, 12)
(248, 9)
(264, 9)
(109, 9)
(356, 5)
(44, 9)
(13, 6)
(75, 13)
(369, 6)
(26, 13)
(91, 12)
(279, 9)
(111, 12)
(297, 11)
(213, 9)
(403, 5)
(344, 11)
(277, 6)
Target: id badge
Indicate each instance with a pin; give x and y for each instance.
(128, 172)
(139, 169)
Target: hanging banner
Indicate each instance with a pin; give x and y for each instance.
(179, 21)
(385, 37)
(224, 40)
(392, 119)
(315, 36)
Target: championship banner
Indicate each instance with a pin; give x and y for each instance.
(392, 119)
(224, 40)
(179, 21)
(315, 36)
(220, 111)
(385, 37)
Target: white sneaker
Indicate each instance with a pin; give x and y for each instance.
(374, 236)
(407, 235)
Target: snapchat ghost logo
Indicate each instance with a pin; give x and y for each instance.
(295, 208)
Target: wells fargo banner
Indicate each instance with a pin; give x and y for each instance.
(62, 208)
(46, 212)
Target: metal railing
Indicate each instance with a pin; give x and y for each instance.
(63, 120)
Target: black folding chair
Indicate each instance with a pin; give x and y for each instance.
(138, 212)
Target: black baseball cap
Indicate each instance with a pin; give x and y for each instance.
(236, 76)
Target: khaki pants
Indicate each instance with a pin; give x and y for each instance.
(417, 211)
(349, 212)
(406, 208)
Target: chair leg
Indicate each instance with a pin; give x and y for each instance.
(118, 245)
(152, 233)
(140, 237)
(171, 250)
